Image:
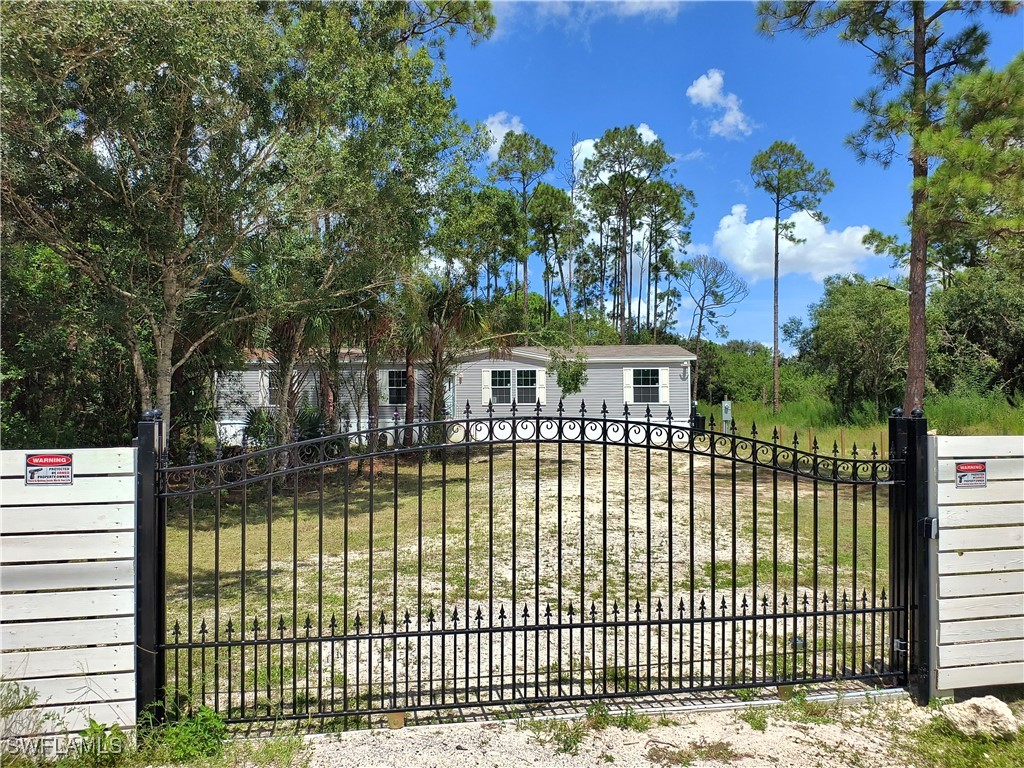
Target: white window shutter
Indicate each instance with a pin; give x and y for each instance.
(627, 385)
(663, 385)
(542, 387)
(485, 388)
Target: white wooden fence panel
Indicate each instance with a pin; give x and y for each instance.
(985, 561)
(972, 515)
(73, 517)
(57, 546)
(999, 651)
(995, 491)
(74, 718)
(1011, 628)
(996, 537)
(978, 676)
(982, 584)
(88, 490)
(67, 634)
(34, 606)
(977, 564)
(53, 576)
(955, 608)
(969, 448)
(85, 461)
(67, 589)
(26, 664)
(82, 689)
(996, 469)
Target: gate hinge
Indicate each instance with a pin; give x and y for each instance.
(930, 527)
(900, 645)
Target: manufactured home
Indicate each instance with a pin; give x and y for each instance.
(640, 377)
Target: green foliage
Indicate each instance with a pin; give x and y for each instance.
(756, 718)
(938, 745)
(102, 745)
(260, 428)
(198, 735)
(66, 375)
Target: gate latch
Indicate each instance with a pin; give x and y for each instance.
(900, 645)
(930, 527)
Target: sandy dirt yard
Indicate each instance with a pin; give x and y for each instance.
(805, 734)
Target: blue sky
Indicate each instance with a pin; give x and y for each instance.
(699, 76)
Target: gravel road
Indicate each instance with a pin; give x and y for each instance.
(843, 734)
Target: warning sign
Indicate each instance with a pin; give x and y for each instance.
(971, 474)
(48, 469)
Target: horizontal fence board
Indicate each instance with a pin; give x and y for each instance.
(67, 605)
(91, 517)
(995, 491)
(970, 447)
(978, 630)
(997, 652)
(981, 514)
(985, 561)
(995, 469)
(977, 676)
(982, 584)
(954, 608)
(84, 461)
(85, 490)
(55, 576)
(61, 719)
(82, 689)
(67, 634)
(55, 547)
(993, 537)
(109, 658)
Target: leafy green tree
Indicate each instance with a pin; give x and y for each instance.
(915, 62)
(618, 175)
(522, 161)
(170, 134)
(857, 337)
(65, 376)
(976, 332)
(715, 291)
(793, 184)
(975, 199)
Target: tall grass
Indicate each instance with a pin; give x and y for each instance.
(814, 418)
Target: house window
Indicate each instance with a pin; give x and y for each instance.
(646, 385)
(526, 387)
(501, 387)
(398, 387)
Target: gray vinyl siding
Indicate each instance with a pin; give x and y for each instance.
(604, 385)
(237, 392)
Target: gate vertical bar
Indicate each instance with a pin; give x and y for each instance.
(149, 569)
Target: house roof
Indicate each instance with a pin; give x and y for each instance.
(609, 353)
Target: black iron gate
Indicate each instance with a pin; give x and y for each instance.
(512, 560)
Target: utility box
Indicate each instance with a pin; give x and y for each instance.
(726, 414)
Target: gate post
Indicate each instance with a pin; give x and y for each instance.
(910, 530)
(149, 586)
(918, 466)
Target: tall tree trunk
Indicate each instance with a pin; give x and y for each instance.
(622, 276)
(916, 350)
(775, 319)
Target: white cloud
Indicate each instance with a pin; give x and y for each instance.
(586, 13)
(648, 135)
(708, 91)
(498, 125)
(696, 154)
(749, 246)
